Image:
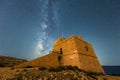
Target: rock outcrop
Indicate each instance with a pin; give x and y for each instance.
(51, 74)
(6, 61)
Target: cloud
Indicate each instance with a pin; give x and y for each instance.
(40, 46)
(44, 26)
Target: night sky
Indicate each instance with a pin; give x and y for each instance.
(28, 28)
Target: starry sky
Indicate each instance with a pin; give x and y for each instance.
(28, 28)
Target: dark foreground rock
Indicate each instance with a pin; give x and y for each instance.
(47, 74)
(62, 75)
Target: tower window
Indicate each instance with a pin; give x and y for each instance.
(59, 58)
(86, 48)
(61, 52)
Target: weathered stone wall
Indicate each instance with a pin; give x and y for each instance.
(78, 52)
(69, 56)
(87, 58)
(89, 63)
(84, 47)
(45, 61)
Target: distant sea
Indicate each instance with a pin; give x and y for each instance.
(115, 70)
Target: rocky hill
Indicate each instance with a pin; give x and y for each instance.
(6, 61)
(60, 73)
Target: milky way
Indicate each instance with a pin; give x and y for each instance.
(48, 25)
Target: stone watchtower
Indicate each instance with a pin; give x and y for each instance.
(77, 52)
(72, 51)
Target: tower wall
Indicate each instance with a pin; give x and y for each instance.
(87, 58)
(50, 60)
(69, 56)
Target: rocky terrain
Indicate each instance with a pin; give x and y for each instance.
(8, 71)
(6, 61)
(69, 73)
